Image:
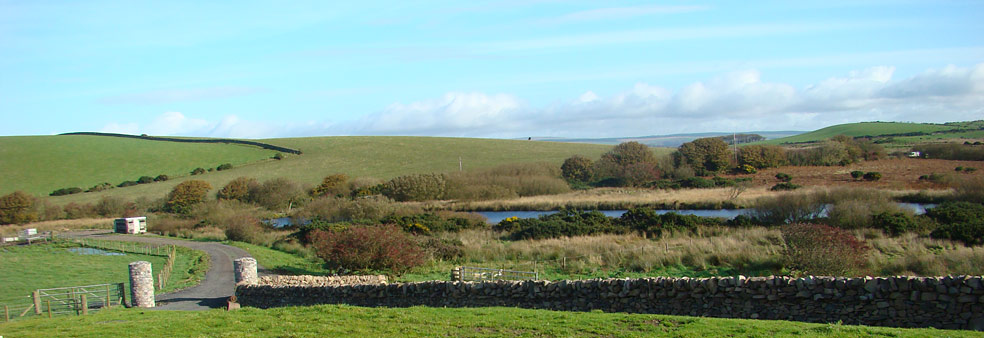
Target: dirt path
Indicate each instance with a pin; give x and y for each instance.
(212, 292)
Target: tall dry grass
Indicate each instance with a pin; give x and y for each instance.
(59, 225)
(752, 250)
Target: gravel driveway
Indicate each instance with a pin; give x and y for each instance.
(212, 292)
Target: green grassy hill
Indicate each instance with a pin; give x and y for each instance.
(862, 129)
(42, 164)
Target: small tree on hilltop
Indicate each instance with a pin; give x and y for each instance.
(706, 155)
(577, 168)
(186, 195)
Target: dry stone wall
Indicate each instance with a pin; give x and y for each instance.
(941, 302)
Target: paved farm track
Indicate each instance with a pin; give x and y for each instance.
(214, 290)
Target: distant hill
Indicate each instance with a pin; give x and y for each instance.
(672, 141)
(892, 132)
(41, 164)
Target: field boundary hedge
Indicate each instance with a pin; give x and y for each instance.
(184, 140)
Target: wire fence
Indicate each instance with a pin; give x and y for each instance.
(466, 273)
(169, 251)
(75, 300)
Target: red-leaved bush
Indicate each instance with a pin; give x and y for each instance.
(362, 248)
(824, 250)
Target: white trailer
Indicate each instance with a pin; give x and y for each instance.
(130, 225)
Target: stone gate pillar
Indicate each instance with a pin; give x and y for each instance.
(245, 270)
(142, 284)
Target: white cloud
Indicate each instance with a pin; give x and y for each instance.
(736, 101)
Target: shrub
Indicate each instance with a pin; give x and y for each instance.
(746, 169)
(224, 166)
(243, 227)
(278, 156)
(127, 184)
(161, 178)
(17, 208)
(564, 223)
(433, 222)
(784, 177)
(333, 209)
(872, 176)
(762, 156)
(790, 208)
(279, 194)
(65, 191)
(145, 180)
(237, 189)
(895, 223)
(704, 155)
(443, 249)
(198, 171)
(100, 187)
(331, 185)
(856, 208)
(416, 187)
(970, 189)
(970, 233)
(697, 182)
(823, 250)
(956, 212)
(650, 223)
(627, 164)
(186, 195)
(364, 248)
(857, 174)
(366, 186)
(110, 206)
(951, 151)
(577, 168)
(785, 186)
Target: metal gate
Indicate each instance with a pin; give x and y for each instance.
(76, 300)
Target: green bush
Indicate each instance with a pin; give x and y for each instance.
(823, 250)
(649, 222)
(224, 166)
(970, 233)
(956, 212)
(895, 223)
(332, 185)
(697, 182)
(17, 208)
(577, 168)
(278, 156)
(145, 180)
(872, 176)
(198, 171)
(564, 223)
(761, 157)
(161, 178)
(784, 177)
(65, 191)
(857, 174)
(100, 187)
(442, 249)
(127, 184)
(434, 222)
(784, 186)
(186, 195)
(237, 189)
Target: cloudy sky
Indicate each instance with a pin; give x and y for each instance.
(253, 69)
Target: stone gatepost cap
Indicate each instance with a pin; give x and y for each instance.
(139, 263)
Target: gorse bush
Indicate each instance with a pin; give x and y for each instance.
(577, 168)
(434, 222)
(332, 185)
(651, 223)
(224, 166)
(198, 171)
(367, 248)
(563, 223)
(895, 223)
(186, 195)
(125, 184)
(65, 191)
(872, 176)
(823, 250)
(145, 180)
(161, 178)
(959, 221)
(237, 189)
(278, 194)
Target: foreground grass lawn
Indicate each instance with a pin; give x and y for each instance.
(341, 320)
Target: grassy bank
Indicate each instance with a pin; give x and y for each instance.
(349, 321)
(26, 268)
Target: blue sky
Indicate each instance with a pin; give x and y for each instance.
(501, 69)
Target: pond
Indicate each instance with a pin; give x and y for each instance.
(94, 251)
(494, 217)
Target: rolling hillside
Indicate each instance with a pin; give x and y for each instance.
(41, 164)
(903, 131)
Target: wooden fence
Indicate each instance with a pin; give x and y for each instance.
(465, 273)
(77, 300)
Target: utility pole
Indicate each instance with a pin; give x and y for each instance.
(459, 164)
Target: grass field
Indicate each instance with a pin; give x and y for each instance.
(351, 321)
(861, 129)
(26, 268)
(38, 162)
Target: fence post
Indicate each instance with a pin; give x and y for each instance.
(37, 302)
(85, 305)
(108, 304)
(142, 284)
(48, 301)
(245, 270)
(6, 314)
